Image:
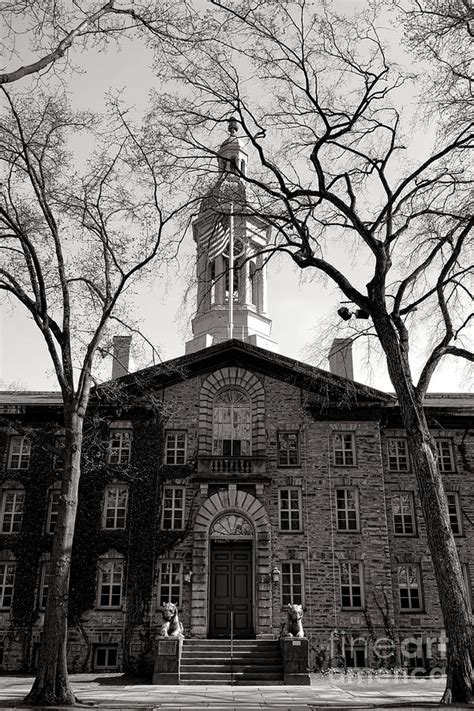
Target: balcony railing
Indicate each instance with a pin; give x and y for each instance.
(231, 465)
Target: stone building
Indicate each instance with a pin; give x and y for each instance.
(231, 481)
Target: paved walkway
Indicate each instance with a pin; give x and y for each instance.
(113, 692)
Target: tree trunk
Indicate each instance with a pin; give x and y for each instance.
(444, 555)
(52, 685)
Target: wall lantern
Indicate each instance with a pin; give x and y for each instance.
(275, 575)
(187, 575)
(346, 315)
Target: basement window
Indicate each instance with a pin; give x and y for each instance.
(106, 657)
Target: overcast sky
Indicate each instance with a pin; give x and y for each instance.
(300, 309)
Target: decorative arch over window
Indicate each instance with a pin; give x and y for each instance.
(232, 424)
(248, 385)
(231, 525)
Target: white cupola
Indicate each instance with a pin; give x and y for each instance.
(223, 209)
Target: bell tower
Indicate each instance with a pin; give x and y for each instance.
(229, 240)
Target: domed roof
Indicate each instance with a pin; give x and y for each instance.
(229, 186)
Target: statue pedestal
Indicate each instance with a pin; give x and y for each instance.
(167, 660)
(295, 655)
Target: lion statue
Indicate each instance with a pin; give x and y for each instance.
(171, 627)
(293, 627)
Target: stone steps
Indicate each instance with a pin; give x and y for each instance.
(253, 662)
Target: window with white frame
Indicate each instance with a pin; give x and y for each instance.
(288, 449)
(292, 582)
(409, 586)
(175, 447)
(110, 584)
(232, 424)
(19, 452)
(11, 513)
(397, 454)
(44, 584)
(53, 509)
(115, 506)
(172, 517)
(444, 449)
(351, 578)
(403, 511)
(105, 657)
(170, 582)
(347, 509)
(120, 443)
(454, 509)
(290, 509)
(7, 581)
(344, 449)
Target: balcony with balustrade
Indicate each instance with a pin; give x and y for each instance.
(241, 467)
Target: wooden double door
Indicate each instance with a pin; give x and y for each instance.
(231, 589)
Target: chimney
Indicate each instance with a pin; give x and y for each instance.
(340, 358)
(120, 356)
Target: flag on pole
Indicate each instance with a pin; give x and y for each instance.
(215, 236)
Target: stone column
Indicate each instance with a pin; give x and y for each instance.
(220, 280)
(261, 276)
(244, 276)
(204, 284)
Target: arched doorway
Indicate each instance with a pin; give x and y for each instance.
(236, 517)
(231, 577)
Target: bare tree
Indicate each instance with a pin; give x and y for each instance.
(327, 118)
(39, 34)
(440, 34)
(72, 245)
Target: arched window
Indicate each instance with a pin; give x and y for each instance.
(232, 427)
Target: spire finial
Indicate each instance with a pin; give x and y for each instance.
(232, 126)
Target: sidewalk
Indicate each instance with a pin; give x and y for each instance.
(113, 691)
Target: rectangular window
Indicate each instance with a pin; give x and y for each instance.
(120, 446)
(53, 510)
(175, 447)
(351, 584)
(290, 509)
(409, 586)
(110, 583)
(347, 509)
(292, 583)
(7, 580)
(44, 584)
(106, 657)
(344, 449)
(444, 448)
(288, 449)
(115, 507)
(403, 510)
(173, 508)
(455, 517)
(169, 586)
(397, 455)
(11, 514)
(20, 451)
